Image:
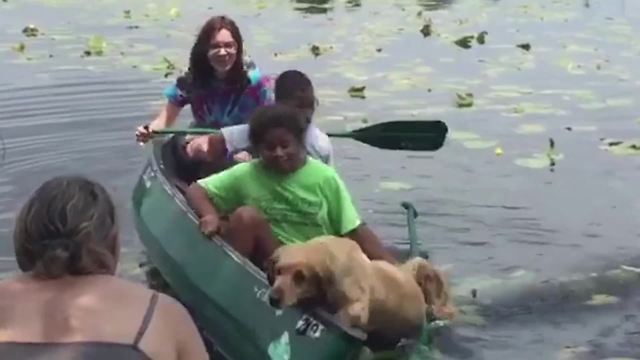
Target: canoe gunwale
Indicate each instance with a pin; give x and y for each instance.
(164, 175)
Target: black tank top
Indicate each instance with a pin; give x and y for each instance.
(84, 350)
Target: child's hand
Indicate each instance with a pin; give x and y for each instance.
(210, 225)
(242, 156)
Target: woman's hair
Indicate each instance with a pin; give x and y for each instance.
(67, 227)
(200, 70)
(269, 117)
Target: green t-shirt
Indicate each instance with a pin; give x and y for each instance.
(311, 202)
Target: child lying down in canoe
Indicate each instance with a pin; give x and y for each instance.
(219, 151)
(282, 197)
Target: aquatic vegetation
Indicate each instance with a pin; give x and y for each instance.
(530, 129)
(357, 91)
(394, 186)
(548, 159)
(20, 47)
(31, 31)
(602, 299)
(464, 100)
(96, 46)
(427, 29)
(621, 147)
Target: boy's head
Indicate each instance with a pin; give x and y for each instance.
(277, 132)
(293, 88)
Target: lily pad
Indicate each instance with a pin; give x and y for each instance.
(479, 144)
(530, 129)
(394, 186)
(524, 46)
(174, 13)
(96, 46)
(463, 135)
(20, 48)
(31, 31)
(357, 91)
(620, 102)
(537, 161)
(542, 160)
(464, 100)
(620, 147)
(602, 299)
(318, 50)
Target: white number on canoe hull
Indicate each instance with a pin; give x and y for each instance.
(309, 326)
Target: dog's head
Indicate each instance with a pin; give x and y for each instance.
(435, 289)
(293, 280)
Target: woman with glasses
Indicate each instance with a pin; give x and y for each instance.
(219, 87)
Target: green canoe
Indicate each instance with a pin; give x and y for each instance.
(225, 293)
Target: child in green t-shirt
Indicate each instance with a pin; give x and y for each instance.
(284, 196)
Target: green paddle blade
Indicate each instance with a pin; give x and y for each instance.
(413, 135)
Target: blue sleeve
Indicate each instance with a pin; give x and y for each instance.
(176, 96)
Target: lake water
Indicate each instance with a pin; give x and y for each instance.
(492, 206)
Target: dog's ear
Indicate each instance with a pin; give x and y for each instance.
(435, 289)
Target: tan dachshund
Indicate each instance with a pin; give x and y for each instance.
(389, 301)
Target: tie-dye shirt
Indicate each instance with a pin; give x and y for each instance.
(217, 106)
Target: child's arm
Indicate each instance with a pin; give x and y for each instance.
(347, 222)
(216, 194)
(207, 213)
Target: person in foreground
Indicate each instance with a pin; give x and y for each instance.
(67, 303)
(282, 197)
(218, 151)
(218, 86)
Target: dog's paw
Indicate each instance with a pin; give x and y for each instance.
(354, 315)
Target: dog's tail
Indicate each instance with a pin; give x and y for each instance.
(434, 286)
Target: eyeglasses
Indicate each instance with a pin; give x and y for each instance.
(230, 47)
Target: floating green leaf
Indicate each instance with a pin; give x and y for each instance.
(541, 161)
(524, 46)
(96, 46)
(621, 147)
(463, 135)
(602, 299)
(479, 144)
(31, 31)
(20, 48)
(394, 186)
(427, 29)
(174, 13)
(480, 39)
(465, 41)
(464, 100)
(357, 91)
(530, 129)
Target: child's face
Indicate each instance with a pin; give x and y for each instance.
(305, 101)
(280, 151)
